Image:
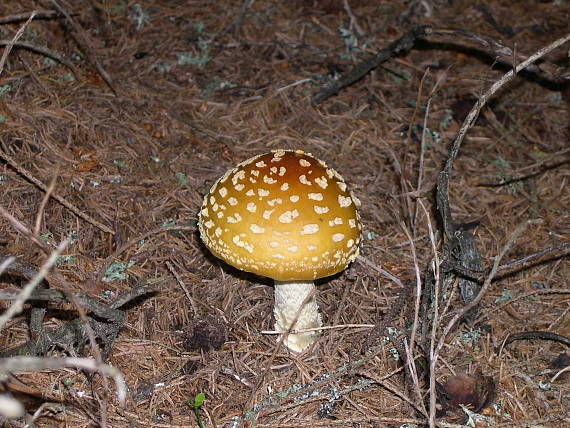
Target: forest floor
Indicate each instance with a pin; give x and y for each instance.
(125, 113)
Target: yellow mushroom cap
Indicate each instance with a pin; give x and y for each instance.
(284, 215)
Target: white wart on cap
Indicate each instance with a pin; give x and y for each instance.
(287, 216)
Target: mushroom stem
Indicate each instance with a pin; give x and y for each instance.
(289, 299)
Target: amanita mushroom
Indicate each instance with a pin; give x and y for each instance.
(287, 216)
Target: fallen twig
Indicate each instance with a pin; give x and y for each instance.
(43, 51)
(25, 293)
(447, 35)
(37, 14)
(28, 175)
(474, 113)
(403, 44)
(86, 46)
(99, 309)
(450, 228)
(555, 251)
(17, 364)
(490, 311)
(531, 335)
(493, 48)
(10, 43)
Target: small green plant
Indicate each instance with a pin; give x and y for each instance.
(505, 297)
(66, 260)
(139, 16)
(197, 405)
(5, 89)
(116, 272)
(349, 39)
(181, 177)
(216, 84)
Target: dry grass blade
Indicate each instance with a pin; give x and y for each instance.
(418, 295)
(181, 283)
(45, 199)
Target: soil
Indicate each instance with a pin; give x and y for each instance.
(125, 113)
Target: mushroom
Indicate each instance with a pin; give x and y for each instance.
(287, 216)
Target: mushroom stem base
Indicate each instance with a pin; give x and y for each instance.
(295, 300)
